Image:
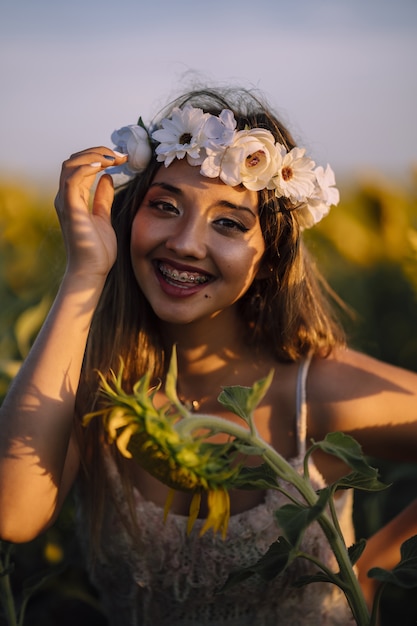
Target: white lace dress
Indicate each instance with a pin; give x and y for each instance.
(164, 577)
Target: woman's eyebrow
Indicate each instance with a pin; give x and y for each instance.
(167, 187)
(239, 207)
(225, 203)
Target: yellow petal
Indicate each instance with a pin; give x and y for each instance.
(124, 438)
(117, 419)
(219, 511)
(168, 503)
(226, 516)
(194, 511)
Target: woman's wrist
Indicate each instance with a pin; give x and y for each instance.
(79, 280)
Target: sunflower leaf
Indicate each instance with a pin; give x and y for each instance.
(277, 558)
(260, 477)
(405, 573)
(295, 518)
(357, 480)
(348, 450)
(242, 401)
(235, 399)
(356, 550)
(318, 577)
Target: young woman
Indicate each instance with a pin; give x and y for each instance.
(202, 249)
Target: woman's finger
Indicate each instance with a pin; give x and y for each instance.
(79, 173)
(104, 155)
(103, 197)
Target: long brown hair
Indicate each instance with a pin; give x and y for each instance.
(292, 316)
(287, 311)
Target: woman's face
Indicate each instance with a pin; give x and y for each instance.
(196, 244)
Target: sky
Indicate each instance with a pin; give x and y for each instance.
(340, 73)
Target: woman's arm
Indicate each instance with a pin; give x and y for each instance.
(375, 403)
(38, 453)
(383, 548)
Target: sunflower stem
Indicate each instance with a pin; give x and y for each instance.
(286, 472)
(277, 462)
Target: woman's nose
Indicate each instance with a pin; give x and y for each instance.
(188, 238)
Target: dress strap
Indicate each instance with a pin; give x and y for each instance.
(301, 404)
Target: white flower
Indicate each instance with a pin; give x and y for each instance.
(295, 178)
(252, 160)
(134, 141)
(181, 135)
(249, 157)
(325, 194)
(213, 162)
(325, 189)
(219, 131)
(311, 212)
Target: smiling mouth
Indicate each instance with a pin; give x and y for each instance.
(174, 276)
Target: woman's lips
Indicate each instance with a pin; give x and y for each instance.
(177, 281)
(179, 275)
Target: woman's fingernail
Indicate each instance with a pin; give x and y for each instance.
(95, 164)
(109, 157)
(119, 154)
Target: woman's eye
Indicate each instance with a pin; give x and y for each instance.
(229, 224)
(162, 205)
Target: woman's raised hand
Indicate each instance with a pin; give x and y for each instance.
(88, 234)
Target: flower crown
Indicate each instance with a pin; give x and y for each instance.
(250, 157)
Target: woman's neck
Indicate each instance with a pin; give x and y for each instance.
(206, 345)
(214, 353)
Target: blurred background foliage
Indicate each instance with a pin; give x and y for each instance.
(367, 250)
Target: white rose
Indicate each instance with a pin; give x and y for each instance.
(252, 159)
(133, 140)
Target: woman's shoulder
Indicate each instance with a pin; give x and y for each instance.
(355, 393)
(346, 372)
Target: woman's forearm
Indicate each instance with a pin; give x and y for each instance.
(37, 415)
(383, 548)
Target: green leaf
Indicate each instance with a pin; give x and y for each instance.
(294, 518)
(142, 123)
(404, 574)
(235, 399)
(356, 480)
(347, 449)
(260, 477)
(279, 555)
(355, 551)
(259, 390)
(319, 577)
(242, 401)
(277, 558)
